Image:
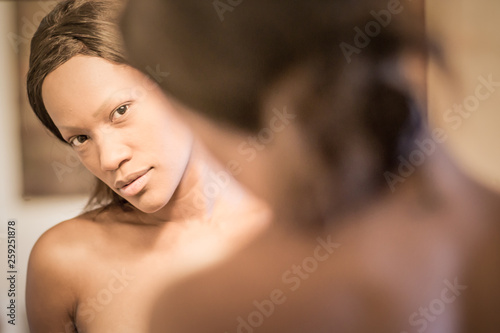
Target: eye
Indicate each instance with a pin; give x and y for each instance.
(78, 140)
(119, 112)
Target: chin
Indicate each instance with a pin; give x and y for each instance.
(149, 205)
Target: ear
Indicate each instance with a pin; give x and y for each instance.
(289, 160)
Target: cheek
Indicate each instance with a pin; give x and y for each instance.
(90, 161)
(166, 131)
(222, 143)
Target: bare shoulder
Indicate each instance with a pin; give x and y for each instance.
(53, 277)
(65, 240)
(222, 294)
(59, 250)
(289, 283)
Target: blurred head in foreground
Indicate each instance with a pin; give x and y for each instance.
(311, 103)
(314, 101)
(311, 96)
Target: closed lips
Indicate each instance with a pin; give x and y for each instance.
(130, 179)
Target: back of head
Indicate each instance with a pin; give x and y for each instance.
(356, 110)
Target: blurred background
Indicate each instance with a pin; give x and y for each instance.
(468, 31)
(43, 183)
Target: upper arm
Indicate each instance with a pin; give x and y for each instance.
(50, 296)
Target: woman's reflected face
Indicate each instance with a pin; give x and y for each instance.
(122, 128)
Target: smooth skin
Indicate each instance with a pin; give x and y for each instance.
(101, 271)
(394, 256)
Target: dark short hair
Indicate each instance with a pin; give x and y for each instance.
(358, 114)
(74, 27)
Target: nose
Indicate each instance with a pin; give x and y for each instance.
(113, 152)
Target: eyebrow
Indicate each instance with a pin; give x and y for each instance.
(105, 106)
(68, 128)
(100, 109)
(116, 97)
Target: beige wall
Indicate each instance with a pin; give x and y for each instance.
(34, 216)
(470, 31)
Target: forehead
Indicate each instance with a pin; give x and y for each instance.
(86, 82)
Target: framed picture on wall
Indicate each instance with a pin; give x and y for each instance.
(50, 167)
